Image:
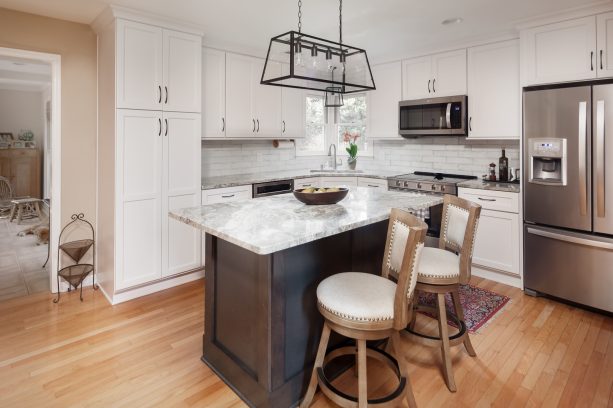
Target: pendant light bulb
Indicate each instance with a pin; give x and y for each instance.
(298, 53)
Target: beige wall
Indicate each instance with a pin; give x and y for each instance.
(76, 43)
(22, 110)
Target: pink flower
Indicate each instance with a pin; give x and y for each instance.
(347, 136)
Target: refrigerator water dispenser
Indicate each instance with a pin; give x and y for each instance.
(547, 161)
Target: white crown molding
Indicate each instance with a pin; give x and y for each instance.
(597, 7)
(113, 12)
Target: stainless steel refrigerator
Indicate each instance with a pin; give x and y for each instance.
(568, 193)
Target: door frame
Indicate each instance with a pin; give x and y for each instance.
(55, 60)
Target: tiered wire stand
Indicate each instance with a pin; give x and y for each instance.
(76, 273)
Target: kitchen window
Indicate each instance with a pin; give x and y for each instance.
(319, 135)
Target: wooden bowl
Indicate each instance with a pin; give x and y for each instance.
(321, 198)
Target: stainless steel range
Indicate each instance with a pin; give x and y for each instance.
(429, 183)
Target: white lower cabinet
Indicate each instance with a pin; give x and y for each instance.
(349, 182)
(372, 183)
(158, 157)
(497, 242)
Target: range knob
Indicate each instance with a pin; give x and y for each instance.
(418, 185)
(442, 188)
(406, 184)
(397, 183)
(433, 187)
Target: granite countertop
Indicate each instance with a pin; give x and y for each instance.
(491, 185)
(209, 183)
(275, 223)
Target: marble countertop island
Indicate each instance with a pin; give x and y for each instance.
(271, 224)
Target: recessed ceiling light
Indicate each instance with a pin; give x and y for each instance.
(454, 20)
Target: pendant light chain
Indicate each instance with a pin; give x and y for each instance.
(299, 16)
(340, 21)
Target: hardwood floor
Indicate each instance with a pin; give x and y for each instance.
(147, 353)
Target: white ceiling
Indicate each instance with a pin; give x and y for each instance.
(24, 75)
(387, 29)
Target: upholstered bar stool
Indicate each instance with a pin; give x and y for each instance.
(365, 307)
(441, 270)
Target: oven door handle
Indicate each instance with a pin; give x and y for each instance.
(448, 116)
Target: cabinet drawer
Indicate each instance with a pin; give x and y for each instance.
(228, 194)
(492, 200)
(348, 182)
(307, 182)
(372, 183)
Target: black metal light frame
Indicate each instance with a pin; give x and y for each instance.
(309, 41)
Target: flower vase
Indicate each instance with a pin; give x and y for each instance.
(351, 162)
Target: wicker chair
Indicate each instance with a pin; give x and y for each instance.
(6, 195)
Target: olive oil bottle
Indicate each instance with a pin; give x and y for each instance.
(503, 167)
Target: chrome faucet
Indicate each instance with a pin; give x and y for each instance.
(330, 153)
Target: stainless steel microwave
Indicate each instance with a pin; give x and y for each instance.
(434, 117)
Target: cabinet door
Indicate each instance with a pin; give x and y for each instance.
(181, 189)
(182, 72)
(497, 242)
(560, 52)
(139, 197)
(449, 73)
(213, 94)
(240, 120)
(292, 110)
(494, 91)
(383, 102)
(604, 24)
(266, 101)
(416, 78)
(139, 66)
(368, 182)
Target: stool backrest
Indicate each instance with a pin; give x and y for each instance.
(6, 192)
(458, 231)
(405, 240)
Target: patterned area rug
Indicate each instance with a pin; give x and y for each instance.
(479, 304)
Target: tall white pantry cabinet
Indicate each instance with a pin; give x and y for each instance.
(149, 136)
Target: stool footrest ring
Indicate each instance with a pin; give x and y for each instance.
(453, 339)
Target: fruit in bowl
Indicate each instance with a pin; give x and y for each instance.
(321, 196)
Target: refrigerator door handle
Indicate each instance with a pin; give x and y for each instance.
(582, 157)
(571, 239)
(600, 173)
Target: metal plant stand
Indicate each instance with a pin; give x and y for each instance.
(76, 273)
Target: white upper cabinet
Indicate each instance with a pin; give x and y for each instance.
(435, 75)
(213, 94)
(292, 110)
(605, 45)
(560, 52)
(383, 102)
(240, 121)
(417, 78)
(494, 91)
(449, 73)
(157, 69)
(182, 72)
(139, 66)
(266, 101)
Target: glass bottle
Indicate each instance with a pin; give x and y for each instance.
(503, 167)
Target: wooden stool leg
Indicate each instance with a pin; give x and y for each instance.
(408, 390)
(13, 211)
(37, 209)
(460, 313)
(362, 376)
(19, 213)
(443, 330)
(319, 360)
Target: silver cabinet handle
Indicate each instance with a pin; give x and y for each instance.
(166, 89)
(253, 125)
(166, 122)
(448, 116)
(283, 126)
(600, 163)
(571, 239)
(160, 127)
(582, 157)
(592, 60)
(470, 124)
(429, 80)
(433, 88)
(257, 120)
(228, 196)
(486, 199)
(306, 185)
(160, 94)
(223, 124)
(372, 185)
(601, 67)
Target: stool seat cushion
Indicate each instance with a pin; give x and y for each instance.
(438, 263)
(358, 296)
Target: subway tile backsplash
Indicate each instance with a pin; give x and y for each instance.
(443, 154)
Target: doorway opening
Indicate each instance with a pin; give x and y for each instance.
(29, 171)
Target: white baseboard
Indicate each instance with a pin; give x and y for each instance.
(496, 276)
(155, 287)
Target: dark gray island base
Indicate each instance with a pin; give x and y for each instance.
(262, 326)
